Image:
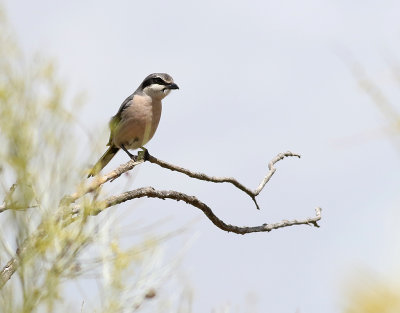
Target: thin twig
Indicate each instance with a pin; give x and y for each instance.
(4, 206)
(233, 181)
(8, 270)
(150, 192)
(272, 169)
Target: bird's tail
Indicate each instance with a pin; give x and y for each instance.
(105, 158)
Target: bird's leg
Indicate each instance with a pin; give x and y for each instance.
(143, 154)
(133, 157)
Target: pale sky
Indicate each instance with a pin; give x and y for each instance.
(256, 78)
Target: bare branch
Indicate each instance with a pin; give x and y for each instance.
(233, 181)
(67, 218)
(8, 270)
(272, 170)
(179, 196)
(100, 180)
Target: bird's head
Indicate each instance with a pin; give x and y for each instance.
(158, 85)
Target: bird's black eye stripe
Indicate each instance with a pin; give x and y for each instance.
(154, 80)
(158, 80)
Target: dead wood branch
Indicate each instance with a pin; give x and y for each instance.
(150, 192)
(252, 193)
(68, 211)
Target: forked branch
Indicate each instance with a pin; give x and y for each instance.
(150, 192)
(252, 193)
(67, 210)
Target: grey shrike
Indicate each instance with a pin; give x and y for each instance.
(137, 118)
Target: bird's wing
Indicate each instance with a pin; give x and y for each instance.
(117, 117)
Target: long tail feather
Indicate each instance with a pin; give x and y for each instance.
(105, 158)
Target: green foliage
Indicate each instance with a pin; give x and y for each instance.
(38, 167)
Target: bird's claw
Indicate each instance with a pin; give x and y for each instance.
(143, 155)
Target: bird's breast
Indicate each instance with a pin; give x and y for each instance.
(139, 122)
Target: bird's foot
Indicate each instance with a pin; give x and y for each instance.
(133, 157)
(143, 155)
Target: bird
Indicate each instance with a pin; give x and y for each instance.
(137, 118)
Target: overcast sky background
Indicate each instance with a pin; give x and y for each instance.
(257, 78)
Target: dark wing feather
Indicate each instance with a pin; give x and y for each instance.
(117, 117)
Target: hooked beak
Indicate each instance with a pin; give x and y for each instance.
(173, 86)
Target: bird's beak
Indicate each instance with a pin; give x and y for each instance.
(173, 86)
